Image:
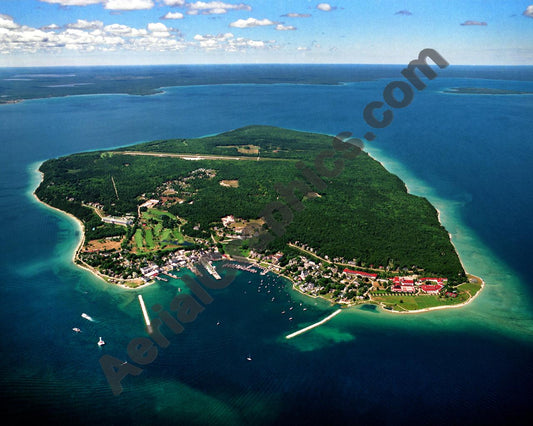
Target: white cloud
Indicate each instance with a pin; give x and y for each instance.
(173, 15)
(528, 12)
(215, 7)
(73, 2)
(324, 7)
(82, 24)
(124, 30)
(158, 29)
(251, 22)
(228, 43)
(86, 37)
(7, 22)
(128, 4)
(281, 27)
(174, 2)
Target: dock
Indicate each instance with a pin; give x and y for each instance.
(145, 312)
(211, 269)
(168, 274)
(317, 324)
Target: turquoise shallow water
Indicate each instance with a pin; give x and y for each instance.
(450, 366)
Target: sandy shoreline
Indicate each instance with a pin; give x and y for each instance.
(75, 255)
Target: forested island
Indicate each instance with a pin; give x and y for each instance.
(355, 237)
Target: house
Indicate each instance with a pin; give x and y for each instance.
(226, 221)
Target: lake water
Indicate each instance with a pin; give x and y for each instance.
(470, 155)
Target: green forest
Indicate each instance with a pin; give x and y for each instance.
(364, 213)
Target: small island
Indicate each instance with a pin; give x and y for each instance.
(484, 91)
(357, 238)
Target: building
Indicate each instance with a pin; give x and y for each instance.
(228, 220)
(435, 280)
(122, 221)
(360, 274)
(431, 288)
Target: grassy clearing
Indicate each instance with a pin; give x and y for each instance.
(139, 240)
(416, 302)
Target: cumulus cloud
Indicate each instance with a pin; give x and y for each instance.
(324, 7)
(296, 15)
(82, 24)
(124, 30)
(403, 12)
(214, 7)
(158, 29)
(251, 22)
(229, 43)
(469, 23)
(528, 12)
(173, 15)
(128, 4)
(109, 4)
(7, 22)
(174, 2)
(85, 36)
(73, 2)
(281, 27)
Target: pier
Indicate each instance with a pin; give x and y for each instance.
(317, 324)
(211, 269)
(145, 312)
(247, 268)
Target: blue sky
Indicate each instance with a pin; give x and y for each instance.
(108, 32)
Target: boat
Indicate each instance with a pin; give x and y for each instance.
(249, 357)
(76, 329)
(87, 317)
(101, 342)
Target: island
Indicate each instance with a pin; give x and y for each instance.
(357, 237)
(484, 91)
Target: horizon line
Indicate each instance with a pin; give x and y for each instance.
(247, 64)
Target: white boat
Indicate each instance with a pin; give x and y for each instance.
(249, 358)
(76, 329)
(87, 317)
(101, 342)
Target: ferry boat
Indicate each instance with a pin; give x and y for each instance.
(101, 342)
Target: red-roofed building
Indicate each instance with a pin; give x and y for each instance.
(436, 280)
(431, 288)
(360, 273)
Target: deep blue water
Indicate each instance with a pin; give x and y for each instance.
(473, 152)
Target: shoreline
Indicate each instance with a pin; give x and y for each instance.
(75, 258)
(437, 308)
(108, 280)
